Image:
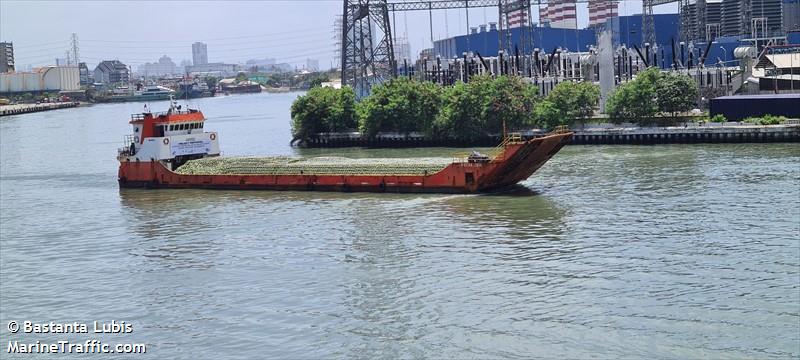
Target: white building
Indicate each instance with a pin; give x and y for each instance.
(48, 78)
(199, 54)
(164, 66)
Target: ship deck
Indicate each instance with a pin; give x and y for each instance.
(285, 165)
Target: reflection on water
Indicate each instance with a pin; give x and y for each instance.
(680, 251)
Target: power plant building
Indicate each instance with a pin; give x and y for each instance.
(601, 11)
(763, 18)
(561, 14)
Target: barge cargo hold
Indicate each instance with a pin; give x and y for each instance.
(170, 150)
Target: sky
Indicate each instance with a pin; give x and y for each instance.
(136, 32)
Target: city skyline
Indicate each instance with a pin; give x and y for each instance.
(289, 31)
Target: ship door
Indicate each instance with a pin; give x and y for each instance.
(160, 130)
(469, 178)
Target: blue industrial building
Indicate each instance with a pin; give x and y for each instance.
(626, 30)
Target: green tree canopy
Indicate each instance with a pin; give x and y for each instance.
(676, 93)
(484, 106)
(323, 109)
(636, 99)
(567, 103)
(401, 105)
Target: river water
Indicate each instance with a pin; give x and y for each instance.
(675, 251)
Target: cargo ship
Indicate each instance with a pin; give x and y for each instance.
(172, 150)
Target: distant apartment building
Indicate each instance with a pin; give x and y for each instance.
(214, 69)
(6, 57)
(402, 50)
(164, 66)
(111, 72)
(312, 64)
(199, 54)
(84, 74)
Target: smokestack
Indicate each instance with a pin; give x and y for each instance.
(473, 30)
(483, 28)
(492, 26)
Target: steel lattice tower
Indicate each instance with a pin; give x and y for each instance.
(648, 27)
(367, 49)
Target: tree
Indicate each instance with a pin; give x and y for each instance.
(568, 103)
(402, 105)
(676, 93)
(484, 106)
(635, 100)
(323, 109)
(510, 104)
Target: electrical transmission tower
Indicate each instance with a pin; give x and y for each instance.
(74, 47)
(648, 27)
(367, 49)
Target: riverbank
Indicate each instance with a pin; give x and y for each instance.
(603, 134)
(6, 110)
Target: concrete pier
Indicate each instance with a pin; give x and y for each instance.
(590, 135)
(6, 110)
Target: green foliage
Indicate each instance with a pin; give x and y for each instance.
(211, 81)
(650, 93)
(484, 106)
(317, 80)
(636, 99)
(323, 109)
(241, 77)
(719, 118)
(567, 103)
(400, 105)
(766, 120)
(676, 93)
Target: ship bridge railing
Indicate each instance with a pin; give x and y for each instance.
(125, 150)
(511, 138)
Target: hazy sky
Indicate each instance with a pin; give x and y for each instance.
(136, 32)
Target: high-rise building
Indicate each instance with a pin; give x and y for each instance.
(199, 54)
(402, 50)
(559, 14)
(6, 57)
(164, 66)
(791, 15)
(312, 64)
(600, 11)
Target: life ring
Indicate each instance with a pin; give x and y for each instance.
(166, 141)
(213, 136)
(136, 139)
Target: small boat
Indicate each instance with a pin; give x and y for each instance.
(172, 150)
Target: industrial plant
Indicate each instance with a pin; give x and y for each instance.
(727, 46)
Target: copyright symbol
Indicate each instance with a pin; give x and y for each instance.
(13, 327)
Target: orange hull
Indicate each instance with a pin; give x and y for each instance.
(517, 162)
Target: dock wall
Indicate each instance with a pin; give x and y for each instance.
(7, 110)
(708, 133)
